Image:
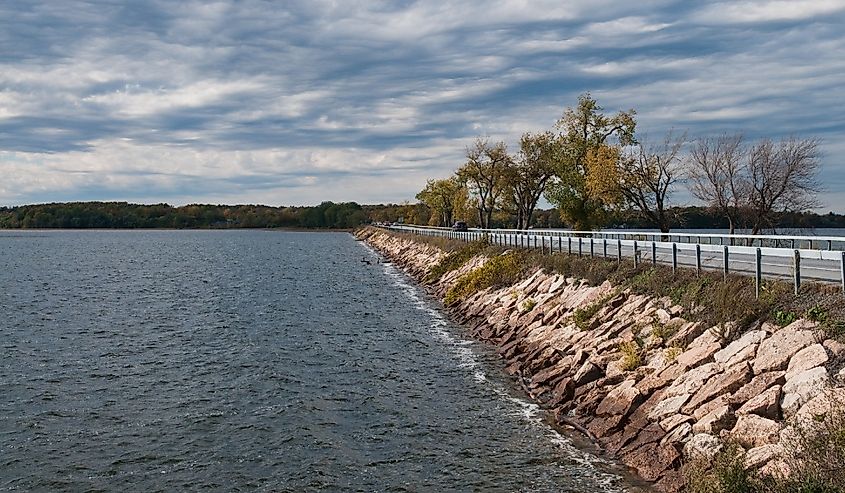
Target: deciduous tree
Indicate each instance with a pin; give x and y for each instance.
(527, 175)
(587, 138)
(484, 174)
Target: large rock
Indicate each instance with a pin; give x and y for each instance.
(668, 407)
(693, 357)
(766, 404)
(651, 460)
(809, 357)
(741, 349)
(803, 387)
(817, 408)
(753, 431)
(563, 392)
(674, 420)
(723, 383)
(679, 434)
(586, 374)
(758, 457)
(708, 407)
(722, 418)
(774, 352)
(620, 401)
(686, 334)
(702, 446)
(691, 381)
(757, 385)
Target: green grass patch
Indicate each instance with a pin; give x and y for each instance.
(456, 259)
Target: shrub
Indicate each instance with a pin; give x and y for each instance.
(528, 305)
(501, 270)
(726, 473)
(632, 355)
(456, 259)
(783, 317)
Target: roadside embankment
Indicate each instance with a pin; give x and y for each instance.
(653, 389)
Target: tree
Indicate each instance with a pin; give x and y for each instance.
(444, 197)
(483, 174)
(781, 178)
(527, 176)
(647, 176)
(717, 175)
(757, 183)
(589, 142)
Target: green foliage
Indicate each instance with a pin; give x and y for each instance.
(79, 215)
(726, 474)
(784, 317)
(456, 259)
(582, 316)
(661, 330)
(816, 313)
(501, 270)
(528, 305)
(632, 355)
(672, 353)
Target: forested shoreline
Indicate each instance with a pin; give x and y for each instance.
(329, 215)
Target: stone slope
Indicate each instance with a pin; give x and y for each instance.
(691, 392)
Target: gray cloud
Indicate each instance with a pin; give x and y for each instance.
(298, 102)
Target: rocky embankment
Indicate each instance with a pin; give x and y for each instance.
(650, 387)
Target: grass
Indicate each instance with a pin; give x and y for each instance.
(501, 270)
(705, 297)
(582, 316)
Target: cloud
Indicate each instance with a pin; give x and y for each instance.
(299, 102)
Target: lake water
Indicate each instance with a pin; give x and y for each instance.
(252, 360)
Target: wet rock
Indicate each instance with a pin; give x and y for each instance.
(702, 446)
(563, 392)
(775, 351)
(754, 431)
(766, 404)
(809, 357)
(604, 426)
(803, 387)
(722, 418)
(651, 460)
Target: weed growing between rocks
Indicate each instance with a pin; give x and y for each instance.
(632, 355)
(582, 316)
(723, 473)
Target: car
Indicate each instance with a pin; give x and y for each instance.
(460, 226)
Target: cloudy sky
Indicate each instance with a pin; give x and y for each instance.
(295, 102)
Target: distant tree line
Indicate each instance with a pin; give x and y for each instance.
(107, 215)
(596, 170)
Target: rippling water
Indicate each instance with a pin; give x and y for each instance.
(251, 360)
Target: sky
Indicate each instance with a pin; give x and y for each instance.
(297, 102)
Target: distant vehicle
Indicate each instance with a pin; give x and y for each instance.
(460, 226)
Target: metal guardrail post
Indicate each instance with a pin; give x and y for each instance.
(619, 251)
(674, 257)
(725, 267)
(604, 247)
(758, 272)
(569, 240)
(697, 258)
(591, 247)
(636, 253)
(579, 246)
(842, 271)
(560, 244)
(796, 270)
(653, 253)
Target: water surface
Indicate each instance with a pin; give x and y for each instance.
(252, 360)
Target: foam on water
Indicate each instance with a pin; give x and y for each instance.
(529, 412)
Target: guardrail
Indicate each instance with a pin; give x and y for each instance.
(732, 253)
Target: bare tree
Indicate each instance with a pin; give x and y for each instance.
(484, 175)
(647, 176)
(717, 171)
(781, 178)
